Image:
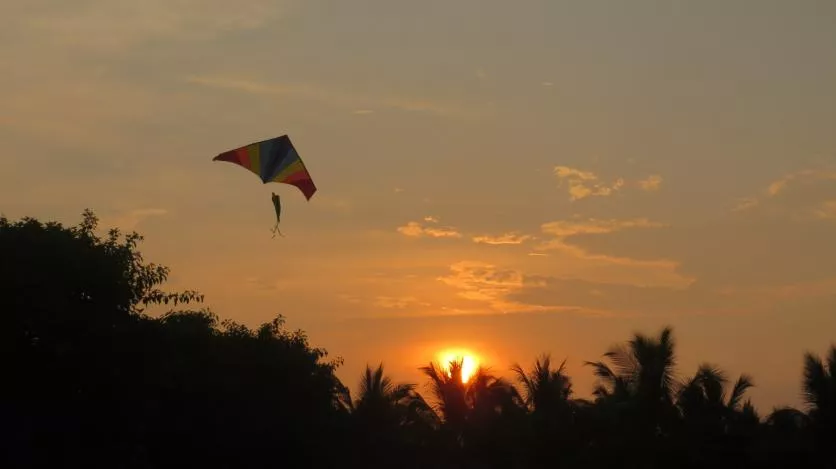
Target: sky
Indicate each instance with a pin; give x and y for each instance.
(510, 178)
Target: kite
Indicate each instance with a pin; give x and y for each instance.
(273, 160)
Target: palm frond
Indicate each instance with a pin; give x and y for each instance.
(744, 383)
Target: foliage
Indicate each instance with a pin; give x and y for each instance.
(92, 380)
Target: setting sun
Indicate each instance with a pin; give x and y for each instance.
(470, 363)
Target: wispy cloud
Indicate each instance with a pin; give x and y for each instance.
(815, 182)
(745, 203)
(826, 210)
(128, 221)
(108, 25)
(568, 228)
(258, 283)
(583, 184)
(508, 238)
(661, 271)
(398, 302)
(785, 292)
(328, 95)
(804, 176)
(483, 282)
(416, 230)
(652, 183)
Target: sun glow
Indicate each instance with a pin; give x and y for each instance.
(470, 363)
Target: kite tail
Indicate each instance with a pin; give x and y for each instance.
(277, 204)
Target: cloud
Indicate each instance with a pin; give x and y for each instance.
(803, 194)
(398, 302)
(803, 176)
(568, 228)
(652, 183)
(112, 25)
(484, 282)
(776, 187)
(325, 94)
(334, 203)
(823, 287)
(416, 230)
(508, 238)
(827, 210)
(614, 299)
(745, 203)
(764, 249)
(130, 220)
(617, 269)
(583, 184)
(353, 299)
(258, 283)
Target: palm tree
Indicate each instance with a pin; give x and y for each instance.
(545, 389)
(644, 371)
(820, 387)
(469, 405)
(705, 392)
(819, 390)
(552, 411)
(388, 420)
(478, 414)
(385, 403)
(450, 393)
(716, 425)
(634, 400)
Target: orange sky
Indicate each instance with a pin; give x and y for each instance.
(513, 178)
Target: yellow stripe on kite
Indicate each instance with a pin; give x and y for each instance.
(294, 167)
(255, 158)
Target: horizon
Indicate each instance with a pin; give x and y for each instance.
(544, 178)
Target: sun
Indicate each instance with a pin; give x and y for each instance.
(470, 362)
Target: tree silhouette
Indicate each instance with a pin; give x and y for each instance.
(477, 415)
(716, 426)
(635, 399)
(94, 381)
(92, 378)
(553, 414)
(389, 420)
(819, 390)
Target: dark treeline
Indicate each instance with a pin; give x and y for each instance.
(90, 379)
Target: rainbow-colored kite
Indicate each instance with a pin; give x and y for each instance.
(273, 160)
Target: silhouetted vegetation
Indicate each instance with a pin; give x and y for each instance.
(90, 379)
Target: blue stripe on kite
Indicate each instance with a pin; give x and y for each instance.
(288, 159)
(267, 151)
(275, 151)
